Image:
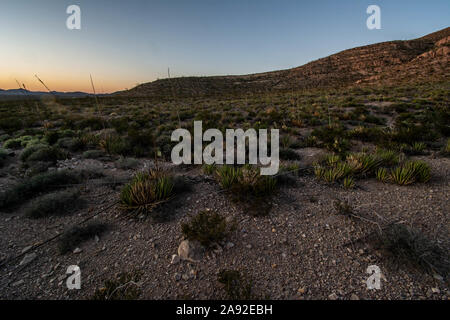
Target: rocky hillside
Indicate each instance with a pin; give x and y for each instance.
(423, 59)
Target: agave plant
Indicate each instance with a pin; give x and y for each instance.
(146, 190)
(402, 176)
(382, 174)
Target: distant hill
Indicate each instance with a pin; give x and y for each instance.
(21, 93)
(425, 59)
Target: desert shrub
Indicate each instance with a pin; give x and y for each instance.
(35, 185)
(47, 154)
(348, 183)
(209, 228)
(147, 190)
(127, 163)
(209, 169)
(446, 148)
(114, 144)
(37, 167)
(332, 138)
(389, 158)
(236, 285)
(53, 204)
(248, 187)
(124, 287)
(12, 143)
(73, 144)
(75, 236)
(11, 124)
(409, 244)
(363, 163)
(382, 174)
(28, 151)
(333, 173)
(227, 176)
(93, 154)
(417, 148)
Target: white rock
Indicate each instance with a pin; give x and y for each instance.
(190, 251)
(28, 258)
(175, 259)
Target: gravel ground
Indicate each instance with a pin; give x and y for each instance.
(301, 250)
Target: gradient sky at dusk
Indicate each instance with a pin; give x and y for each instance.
(123, 43)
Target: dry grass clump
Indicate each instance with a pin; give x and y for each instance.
(146, 190)
(409, 244)
(124, 286)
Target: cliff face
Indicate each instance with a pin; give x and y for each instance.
(423, 59)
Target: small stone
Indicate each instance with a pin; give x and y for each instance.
(333, 296)
(97, 239)
(435, 290)
(77, 250)
(354, 297)
(18, 283)
(27, 259)
(191, 250)
(26, 249)
(177, 277)
(175, 259)
(229, 245)
(301, 290)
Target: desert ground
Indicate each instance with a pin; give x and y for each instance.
(364, 180)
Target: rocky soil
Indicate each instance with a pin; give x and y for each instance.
(301, 250)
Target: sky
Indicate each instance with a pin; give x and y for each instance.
(124, 43)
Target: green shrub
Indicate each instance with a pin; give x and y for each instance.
(209, 228)
(93, 154)
(348, 183)
(227, 176)
(32, 186)
(209, 169)
(382, 174)
(53, 204)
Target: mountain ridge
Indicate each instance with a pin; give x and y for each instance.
(422, 59)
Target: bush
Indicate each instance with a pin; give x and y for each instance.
(73, 237)
(208, 228)
(147, 190)
(124, 287)
(93, 154)
(34, 185)
(47, 154)
(53, 204)
(411, 245)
